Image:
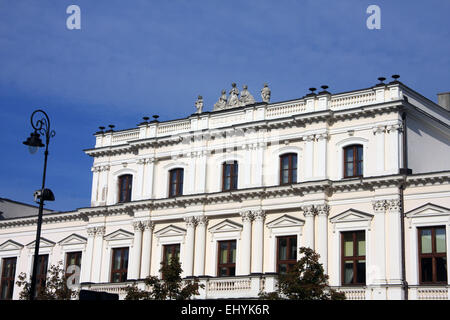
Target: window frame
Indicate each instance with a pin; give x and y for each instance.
(123, 272)
(234, 173)
(433, 255)
(128, 187)
(41, 276)
(355, 162)
(228, 266)
(290, 169)
(9, 279)
(288, 262)
(353, 258)
(173, 250)
(179, 182)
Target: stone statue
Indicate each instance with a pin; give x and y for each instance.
(246, 97)
(199, 104)
(221, 104)
(265, 93)
(233, 99)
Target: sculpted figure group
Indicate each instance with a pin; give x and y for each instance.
(245, 98)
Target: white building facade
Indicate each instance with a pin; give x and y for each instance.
(237, 191)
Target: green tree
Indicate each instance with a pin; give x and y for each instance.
(55, 285)
(170, 286)
(305, 281)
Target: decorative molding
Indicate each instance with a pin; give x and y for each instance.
(246, 215)
(379, 206)
(119, 235)
(138, 226)
(259, 215)
(10, 245)
(43, 243)
(428, 210)
(308, 210)
(322, 209)
(226, 226)
(393, 205)
(73, 239)
(285, 221)
(170, 231)
(191, 222)
(201, 221)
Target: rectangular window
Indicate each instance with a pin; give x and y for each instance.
(353, 256)
(288, 168)
(226, 265)
(432, 255)
(169, 251)
(7, 278)
(353, 161)
(176, 182)
(125, 186)
(229, 176)
(119, 265)
(286, 253)
(41, 275)
(73, 258)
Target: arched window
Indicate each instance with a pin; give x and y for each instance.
(125, 185)
(353, 161)
(229, 175)
(176, 182)
(288, 168)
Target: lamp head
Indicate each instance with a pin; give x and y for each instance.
(33, 142)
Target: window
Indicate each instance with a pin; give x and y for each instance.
(353, 253)
(226, 265)
(432, 255)
(41, 274)
(229, 176)
(353, 161)
(286, 253)
(7, 280)
(288, 168)
(73, 258)
(125, 185)
(169, 251)
(176, 182)
(119, 266)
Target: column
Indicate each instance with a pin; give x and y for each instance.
(247, 166)
(200, 247)
(395, 158)
(309, 157)
(395, 244)
(379, 138)
(322, 239)
(138, 189)
(258, 243)
(246, 238)
(379, 268)
(202, 171)
(188, 261)
(321, 163)
(98, 251)
(148, 185)
(146, 248)
(94, 191)
(135, 261)
(86, 262)
(259, 163)
(309, 213)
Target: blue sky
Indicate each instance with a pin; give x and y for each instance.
(138, 58)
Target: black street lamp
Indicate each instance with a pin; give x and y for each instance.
(41, 126)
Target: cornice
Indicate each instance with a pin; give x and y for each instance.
(300, 189)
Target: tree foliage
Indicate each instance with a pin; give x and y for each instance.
(170, 286)
(305, 281)
(55, 285)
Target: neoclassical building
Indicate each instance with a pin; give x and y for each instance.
(362, 177)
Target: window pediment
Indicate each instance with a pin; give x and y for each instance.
(170, 231)
(43, 243)
(285, 221)
(73, 239)
(226, 226)
(10, 245)
(119, 235)
(428, 210)
(351, 215)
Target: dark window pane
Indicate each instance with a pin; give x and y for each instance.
(349, 169)
(361, 271)
(360, 153)
(441, 269)
(349, 155)
(293, 249)
(361, 243)
(348, 244)
(282, 249)
(282, 268)
(427, 269)
(294, 176)
(359, 169)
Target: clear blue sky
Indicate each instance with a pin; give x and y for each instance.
(138, 58)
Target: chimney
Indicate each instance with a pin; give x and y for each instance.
(444, 100)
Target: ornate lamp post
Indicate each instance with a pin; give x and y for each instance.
(41, 125)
